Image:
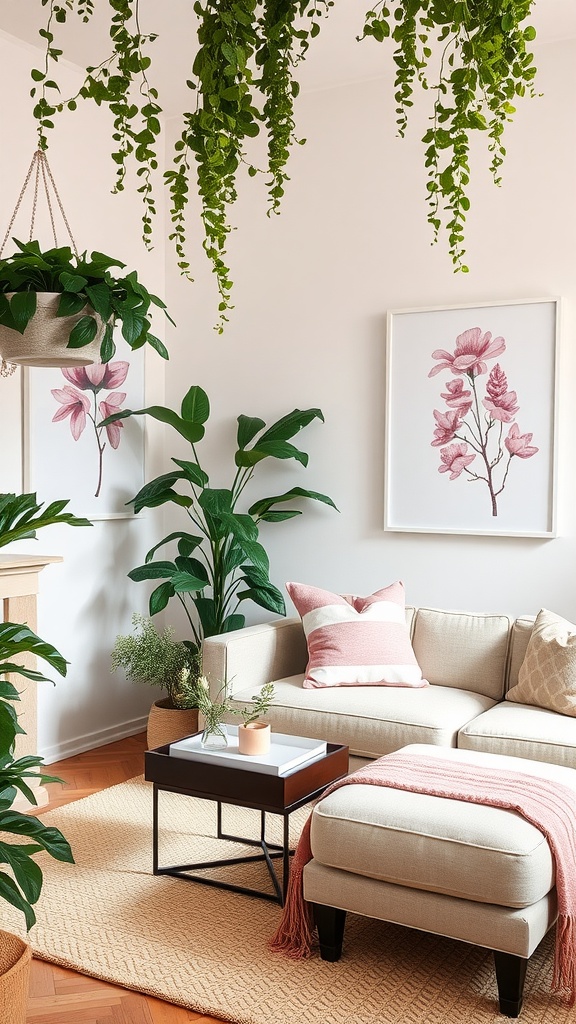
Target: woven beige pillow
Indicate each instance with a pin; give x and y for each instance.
(547, 676)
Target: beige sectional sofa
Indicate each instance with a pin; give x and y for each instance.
(470, 659)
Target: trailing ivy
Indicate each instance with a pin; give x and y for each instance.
(470, 54)
(483, 66)
(115, 83)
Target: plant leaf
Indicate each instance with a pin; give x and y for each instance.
(83, 332)
(23, 308)
(153, 571)
(195, 406)
(159, 598)
(248, 427)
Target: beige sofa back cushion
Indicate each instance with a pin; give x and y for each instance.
(467, 650)
(519, 637)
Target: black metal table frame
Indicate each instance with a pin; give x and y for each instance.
(270, 851)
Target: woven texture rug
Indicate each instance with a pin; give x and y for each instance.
(206, 949)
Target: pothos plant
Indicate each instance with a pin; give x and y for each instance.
(219, 561)
(20, 876)
(470, 56)
(86, 284)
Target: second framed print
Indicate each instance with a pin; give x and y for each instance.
(471, 419)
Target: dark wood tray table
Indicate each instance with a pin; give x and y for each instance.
(243, 787)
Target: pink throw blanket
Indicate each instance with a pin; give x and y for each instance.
(549, 806)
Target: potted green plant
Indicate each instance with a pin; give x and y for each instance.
(158, 660)
(60, 309)
(254, 735)
(222, 562)
(215, 709)
(20, 875)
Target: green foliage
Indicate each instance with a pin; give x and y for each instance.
(222, 562)
(21, 883)
(483, 67)
(215, 709)
(262, 702)
(243, 80)
(84, 283)
(21, 515)
(155, 658)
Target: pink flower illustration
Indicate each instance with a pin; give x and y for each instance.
(75, 405)
(107, 408)
(457, 397)
(447, 425)
(95, 378)
(472, 349)
(502, 404)
(455, 458)
(477, 433)
(519, 444)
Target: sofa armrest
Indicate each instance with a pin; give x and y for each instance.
(254, 655)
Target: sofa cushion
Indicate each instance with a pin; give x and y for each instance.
(519, 636)
(371, 720)
(356, 640)
(466, 650)
(472, 851)
(522, 731)
(547, 676)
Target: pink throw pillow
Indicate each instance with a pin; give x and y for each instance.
(356, 641)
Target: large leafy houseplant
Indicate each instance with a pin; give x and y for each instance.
(20, 876)
(471, 57)
(219, 561)
(86, 284)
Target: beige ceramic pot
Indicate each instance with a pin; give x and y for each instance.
(15, 957)
(167, 724)
(45, 340)
(254, 739)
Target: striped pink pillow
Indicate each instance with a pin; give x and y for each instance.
(356, 641)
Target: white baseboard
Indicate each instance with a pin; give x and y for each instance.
(88, 741)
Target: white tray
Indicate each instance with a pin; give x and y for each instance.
(287, 753)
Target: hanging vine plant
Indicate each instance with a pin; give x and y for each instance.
(471, 56)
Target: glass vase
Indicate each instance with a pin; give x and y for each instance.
(215, 736)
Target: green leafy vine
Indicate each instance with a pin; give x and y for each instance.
(470, 54)
(483, 67)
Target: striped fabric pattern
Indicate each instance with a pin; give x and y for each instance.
(356, 641)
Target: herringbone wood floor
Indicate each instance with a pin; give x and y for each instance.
(59, 996)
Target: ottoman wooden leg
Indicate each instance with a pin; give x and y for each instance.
(510, 975)
(330, 923)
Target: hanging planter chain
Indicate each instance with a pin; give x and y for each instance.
(40, 165)
(40, 162)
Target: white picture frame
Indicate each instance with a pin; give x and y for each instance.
(471, 419)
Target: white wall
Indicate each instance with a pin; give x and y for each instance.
(87, 600)
(312, 290)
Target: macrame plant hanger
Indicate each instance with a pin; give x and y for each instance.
(40, 171)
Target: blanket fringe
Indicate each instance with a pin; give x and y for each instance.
(564, 979)
(294, 936)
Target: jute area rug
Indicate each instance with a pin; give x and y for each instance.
(206, 949)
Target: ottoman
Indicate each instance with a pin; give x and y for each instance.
(467, 871)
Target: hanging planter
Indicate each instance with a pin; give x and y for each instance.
(59, 307)
(45, 340)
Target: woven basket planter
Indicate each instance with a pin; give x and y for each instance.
(15, 957)
(44, 342)
(167, 724)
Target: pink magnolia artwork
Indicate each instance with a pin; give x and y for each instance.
(75, 403)
(470, 432)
